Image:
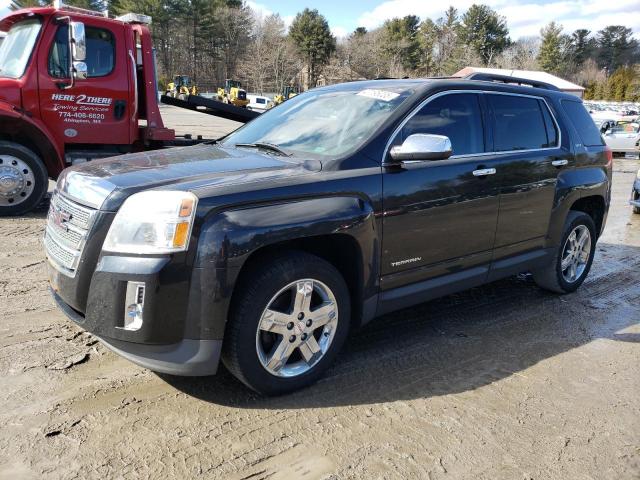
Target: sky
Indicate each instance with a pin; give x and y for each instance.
(524, 17)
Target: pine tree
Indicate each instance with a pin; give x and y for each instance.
(617, 47)
(485, 32)
(311, 34)
(403, 44)
(550, 56)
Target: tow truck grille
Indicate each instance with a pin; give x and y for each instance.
(68, 224)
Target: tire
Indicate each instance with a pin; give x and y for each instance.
(552, 277)
(23, 179)
(249, 351)
(636, 210)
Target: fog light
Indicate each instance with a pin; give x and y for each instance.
(134, 306)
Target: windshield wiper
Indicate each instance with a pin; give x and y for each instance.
(265, 146)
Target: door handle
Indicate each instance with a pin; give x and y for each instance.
(483, 172)
(560, 163)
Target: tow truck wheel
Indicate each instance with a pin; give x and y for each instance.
(23, 179)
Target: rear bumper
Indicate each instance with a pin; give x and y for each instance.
(185, 358)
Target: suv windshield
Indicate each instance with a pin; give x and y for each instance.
(325, 122)
(16, 48)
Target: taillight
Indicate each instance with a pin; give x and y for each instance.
(609, 153)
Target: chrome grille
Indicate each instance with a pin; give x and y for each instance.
(80, 216)
(68, 224)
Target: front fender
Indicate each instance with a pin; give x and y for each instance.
(32, 133)
(573, 185)
(227, 239)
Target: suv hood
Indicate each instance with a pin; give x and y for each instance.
(105, 184)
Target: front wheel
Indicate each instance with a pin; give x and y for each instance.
(23, 179)
(287, 324)
(573, 258)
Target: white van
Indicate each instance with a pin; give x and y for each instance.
(259, 103)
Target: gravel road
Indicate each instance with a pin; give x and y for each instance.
(503, 381)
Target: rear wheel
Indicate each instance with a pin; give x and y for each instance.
(573, 258)
(288, 323)
(23, 179)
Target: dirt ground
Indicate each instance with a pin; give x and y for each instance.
(503, 381)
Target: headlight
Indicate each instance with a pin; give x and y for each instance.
(153, 222)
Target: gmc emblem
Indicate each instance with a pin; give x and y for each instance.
(60, 218)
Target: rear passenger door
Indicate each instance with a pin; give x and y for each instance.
(526, 138)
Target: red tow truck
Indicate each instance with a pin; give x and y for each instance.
(76, 85)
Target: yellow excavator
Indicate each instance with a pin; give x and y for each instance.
(233, 93)
(287, 93)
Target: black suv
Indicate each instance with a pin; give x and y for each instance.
(341, 204)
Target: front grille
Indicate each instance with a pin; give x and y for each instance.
(68, 224)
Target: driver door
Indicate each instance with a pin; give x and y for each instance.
(440, 216)
(94, 110)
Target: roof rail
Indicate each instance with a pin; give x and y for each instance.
(69, 8)
(490, 77)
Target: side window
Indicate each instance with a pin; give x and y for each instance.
(552, 129)
(58, 64)
(457, 116)
(581, 119)
(518, 123)
(100, 52)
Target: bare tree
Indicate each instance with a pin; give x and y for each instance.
(520, 55)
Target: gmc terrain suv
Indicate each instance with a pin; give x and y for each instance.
(344, 203)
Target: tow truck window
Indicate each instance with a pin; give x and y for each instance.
(16, 48)
(100, 53)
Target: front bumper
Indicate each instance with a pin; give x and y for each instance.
(185, 358)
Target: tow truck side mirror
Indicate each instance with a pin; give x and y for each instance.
(80, 71)
(78, 41)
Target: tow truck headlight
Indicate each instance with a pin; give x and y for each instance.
(153, 222)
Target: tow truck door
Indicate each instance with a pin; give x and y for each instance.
(94, 110)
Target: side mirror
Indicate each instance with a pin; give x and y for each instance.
(422, 146)
(78, 42)
(80, 71)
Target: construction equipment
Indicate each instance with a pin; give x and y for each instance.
(233, 93)
(76, 85)
(287, 93)
(181, 87)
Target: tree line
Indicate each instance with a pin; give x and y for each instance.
(212, 40)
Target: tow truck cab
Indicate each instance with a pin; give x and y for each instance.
(74, 85)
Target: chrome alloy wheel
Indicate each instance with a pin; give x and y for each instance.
(17, 181)
(297, 328)
(575, 254)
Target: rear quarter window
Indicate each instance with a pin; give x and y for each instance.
(584, 125)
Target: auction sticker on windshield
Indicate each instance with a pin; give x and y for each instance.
(379, 94)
